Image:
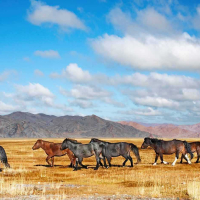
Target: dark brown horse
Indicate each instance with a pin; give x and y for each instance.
(53, 149)
(168, 147)
(195, 147)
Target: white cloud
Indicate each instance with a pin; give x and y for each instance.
(148, 112)
(39, 73)
(156, 102)
(142, 111)
(5, 75)
(34, 90)
(76, 74)
(34, 97)
(47, 54)
(154, 21)
(196, 19)
(7, 108)
(88, 92)
(40, 13)
(148, 53)
(82, 103)
(27, 59)
(147, 21)
(156, 80)
(113, 102)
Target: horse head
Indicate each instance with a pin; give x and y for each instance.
(37, 145)
(147, 142)
(94, 140)
(64, 144)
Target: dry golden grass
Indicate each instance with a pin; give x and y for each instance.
(31, 177)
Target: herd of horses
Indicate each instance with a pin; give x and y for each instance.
(104, 151)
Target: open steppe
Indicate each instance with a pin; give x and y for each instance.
(31, 177)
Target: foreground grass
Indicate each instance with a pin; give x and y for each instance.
(30, 176)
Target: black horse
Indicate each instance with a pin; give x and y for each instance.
(117, 149)
(168, 147)
(83, 151)
(3, 157)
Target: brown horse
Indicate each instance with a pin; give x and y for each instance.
(53, 149)
(195, 147)
(168, 147)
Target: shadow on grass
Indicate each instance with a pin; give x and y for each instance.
(48, 166)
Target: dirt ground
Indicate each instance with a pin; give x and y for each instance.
(31, 178)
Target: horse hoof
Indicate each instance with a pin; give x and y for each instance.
(95, 168)
(74, 169)
(154, 164)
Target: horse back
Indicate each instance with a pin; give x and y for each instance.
(170, 147)
(115, 149)
(195, 146)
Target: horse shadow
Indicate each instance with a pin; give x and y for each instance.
(47, 166)
(120, 166)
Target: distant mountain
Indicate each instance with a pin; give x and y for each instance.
(168, 130)
(22, 124)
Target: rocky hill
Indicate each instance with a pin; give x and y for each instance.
(21, 124)
(168, 130)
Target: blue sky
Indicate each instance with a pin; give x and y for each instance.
(121, 60)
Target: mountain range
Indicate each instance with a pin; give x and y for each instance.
(167, 130)
(27, 125)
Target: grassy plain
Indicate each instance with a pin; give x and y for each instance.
(31, 177)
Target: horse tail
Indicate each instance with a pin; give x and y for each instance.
(136, 152)
(188, 148)
(3, 157)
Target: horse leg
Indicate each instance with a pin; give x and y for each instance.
(47, 160)
(182, 158)
(187, 158)
(176, 158)
(76, 166)
(124, 163)
(198, 155)
(97, 159)
(80, 163)
(104, 161)
(109, 159)
(131, 160)
(155, 163)
(52, 161)
(100, 162)
(162, 161)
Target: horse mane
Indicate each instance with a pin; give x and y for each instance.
(44, 141)
(156, 141)
(73, 141)
(96, 140)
